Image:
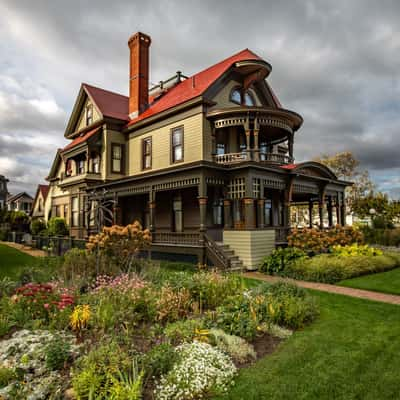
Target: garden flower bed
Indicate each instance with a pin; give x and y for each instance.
(149, 333)
(102, 324)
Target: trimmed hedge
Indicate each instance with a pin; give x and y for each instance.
(329, 268)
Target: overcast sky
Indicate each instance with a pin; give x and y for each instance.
(334, 62)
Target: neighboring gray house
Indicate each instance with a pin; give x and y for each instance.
(20, 202)
(3, 191)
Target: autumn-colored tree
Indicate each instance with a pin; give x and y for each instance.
(121, 243)
(346, 167)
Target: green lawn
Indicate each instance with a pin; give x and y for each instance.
(385, 282)
(350, 352)
(12, 260)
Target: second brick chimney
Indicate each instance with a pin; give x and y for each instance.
(139, 45)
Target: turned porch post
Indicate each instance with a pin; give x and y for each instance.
(321, 204)
(343, 211)
(256, 144)
(330, 213)
(290, 145)
(152, 210)
(249, 217)
(310, 213)
(337, 205)
(117, 217)
(202, 197)
(287, 199)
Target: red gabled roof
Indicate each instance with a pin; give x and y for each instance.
(194, 86)
(110, 104)
(44, 189)
(81, 139)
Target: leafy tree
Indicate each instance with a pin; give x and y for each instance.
(57, 227)
(37, 226)
(384, 210)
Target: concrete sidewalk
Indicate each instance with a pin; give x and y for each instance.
(26, 249)
(324, 287)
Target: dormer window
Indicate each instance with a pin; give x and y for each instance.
(89, 114)
(236, 96)
(247, 100)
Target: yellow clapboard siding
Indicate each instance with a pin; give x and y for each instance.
(161, 144)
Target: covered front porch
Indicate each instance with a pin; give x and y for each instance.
(229, 215)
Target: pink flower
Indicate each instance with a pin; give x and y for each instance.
(46, 306)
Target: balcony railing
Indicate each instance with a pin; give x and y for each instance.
(230, 158)
(276, 158)
(234, 158)
(176, 238)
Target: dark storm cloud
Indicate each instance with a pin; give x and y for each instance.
(336, 63)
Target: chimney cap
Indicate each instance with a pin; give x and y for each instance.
(139, 36)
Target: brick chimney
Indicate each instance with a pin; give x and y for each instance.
(139, 45)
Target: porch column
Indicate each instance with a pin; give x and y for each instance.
(330, 214)
(290, 145)
(321, 204)
(343, 212)
(256, 144)
(260, 213)
(337, 206)
(117, 216)
(227, 214)
(213, 143)
(310, 213)
(203, 212)
(249, 217)
(248, 150)
(287, 199)
(152, 210)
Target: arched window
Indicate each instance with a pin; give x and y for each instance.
(249, 99)
(236, 96)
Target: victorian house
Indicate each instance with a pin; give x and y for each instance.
(206, 162)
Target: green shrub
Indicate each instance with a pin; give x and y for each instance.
(383, 237)
(57, 353)
(183, 330)
(159, 360)
(7, 375)
(234, 346)
(57, 227)
(37, 226)
(237, 316)
(96, 373)
(280, 258)
(329, 268)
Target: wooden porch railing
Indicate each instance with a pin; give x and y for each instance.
(183, 238)
(215, 254)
